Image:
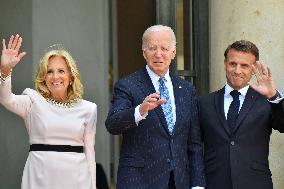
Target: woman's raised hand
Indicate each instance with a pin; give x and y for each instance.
(10, 54)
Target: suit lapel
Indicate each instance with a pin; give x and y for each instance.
(177, 88)
(146, 85)
(250, 99)
(219, 107)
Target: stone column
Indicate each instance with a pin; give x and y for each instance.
(82, 26)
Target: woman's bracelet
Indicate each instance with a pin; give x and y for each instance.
(8, 75)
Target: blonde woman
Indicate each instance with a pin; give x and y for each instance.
(61, 125)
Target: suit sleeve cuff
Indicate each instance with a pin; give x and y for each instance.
(276, 98)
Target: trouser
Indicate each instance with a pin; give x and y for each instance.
(171, 184)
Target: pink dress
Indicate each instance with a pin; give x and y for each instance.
(47, 123)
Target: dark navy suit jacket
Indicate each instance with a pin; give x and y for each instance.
(148, 151)
(239, 159)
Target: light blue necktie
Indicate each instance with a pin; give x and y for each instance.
(167, 107)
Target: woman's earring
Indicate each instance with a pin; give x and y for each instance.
(70, 83)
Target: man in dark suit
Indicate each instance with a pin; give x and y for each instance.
(156, 113)
(237, 120)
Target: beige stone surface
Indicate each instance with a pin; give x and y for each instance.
(260, 21)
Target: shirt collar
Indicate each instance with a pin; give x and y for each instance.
(154, 77)
(243, 90)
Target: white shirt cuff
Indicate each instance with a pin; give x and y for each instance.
(197, 187)
(137, 115)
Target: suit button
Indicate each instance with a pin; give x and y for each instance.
(168, 160)
(172, 140)
(232, 143)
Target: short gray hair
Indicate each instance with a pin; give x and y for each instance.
(158, 28)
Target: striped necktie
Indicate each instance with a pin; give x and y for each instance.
(167, 107)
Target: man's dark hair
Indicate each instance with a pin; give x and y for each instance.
(243, 46)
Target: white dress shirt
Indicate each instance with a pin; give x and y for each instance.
(228, 98)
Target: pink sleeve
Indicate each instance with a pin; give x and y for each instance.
(19, 104)
(89, 142)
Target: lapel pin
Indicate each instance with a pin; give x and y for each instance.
(179, 87)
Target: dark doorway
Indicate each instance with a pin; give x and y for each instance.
(133, 17)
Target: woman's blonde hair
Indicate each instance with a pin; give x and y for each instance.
(74, 91)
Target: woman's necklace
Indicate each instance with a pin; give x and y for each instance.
(67, 104)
